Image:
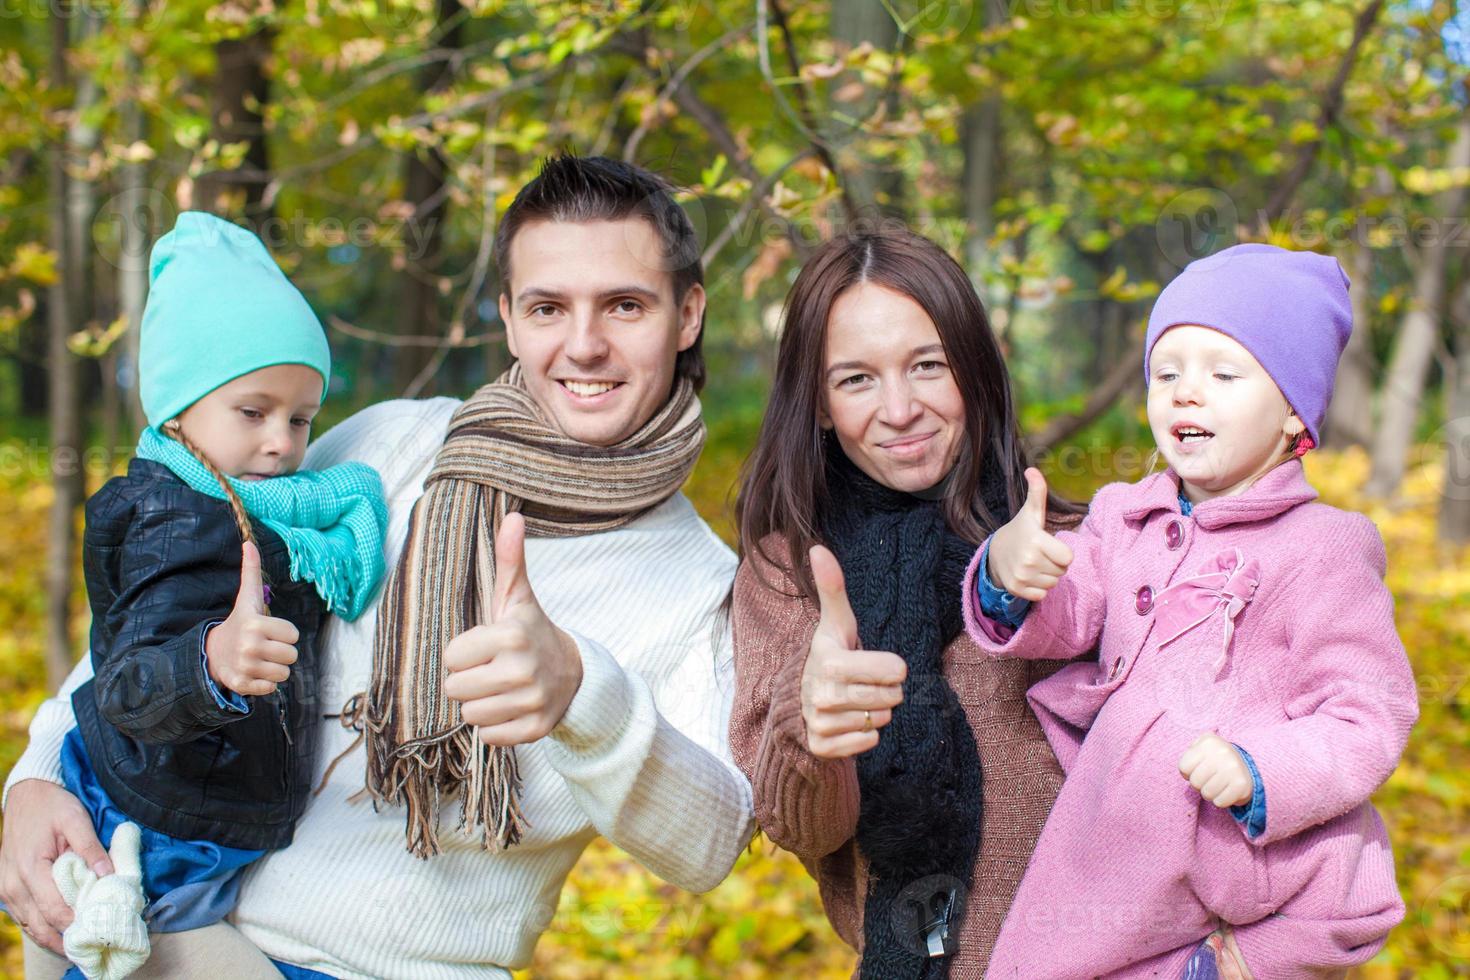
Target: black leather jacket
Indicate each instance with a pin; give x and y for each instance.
(162, 564)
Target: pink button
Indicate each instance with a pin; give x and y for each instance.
(1145, 601)
(1174, 535)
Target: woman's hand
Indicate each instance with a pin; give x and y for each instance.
(1025, 560)
(1214, 767)
(42, 821)
(847, 693)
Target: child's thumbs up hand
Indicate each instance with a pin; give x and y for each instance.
(251, 651)
(1025, 560)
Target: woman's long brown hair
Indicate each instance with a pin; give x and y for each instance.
(784, 478)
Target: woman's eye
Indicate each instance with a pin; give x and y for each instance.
(928, 366)
(852, 380)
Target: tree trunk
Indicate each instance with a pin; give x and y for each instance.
(425, 175)
(81, 212)
(136, 234)
(1350, 415)
(982, 136)
(62, 397)
(30, 360)
(1408, 369)
(1454, 501)
(855, 22)
(241, 92)
(981, 133)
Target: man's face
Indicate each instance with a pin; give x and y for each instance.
(591, 316)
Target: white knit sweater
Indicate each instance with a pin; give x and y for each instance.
(641, 756)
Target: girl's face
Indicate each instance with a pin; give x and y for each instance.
(256, 426)
(1218, 418)
(887, 389)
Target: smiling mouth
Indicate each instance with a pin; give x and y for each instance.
(907, 444)
(1191, 434)
(589, 389)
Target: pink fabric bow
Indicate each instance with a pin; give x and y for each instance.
(1226, 582)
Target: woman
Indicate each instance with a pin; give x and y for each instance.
(906, 770)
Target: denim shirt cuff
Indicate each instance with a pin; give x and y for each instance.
(1252, 814)
(227, 700)
(996, 603)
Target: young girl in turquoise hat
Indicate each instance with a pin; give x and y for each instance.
(210, 568)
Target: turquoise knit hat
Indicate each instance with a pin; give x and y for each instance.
(218, 307)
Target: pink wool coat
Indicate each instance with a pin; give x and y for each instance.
(1262, 617)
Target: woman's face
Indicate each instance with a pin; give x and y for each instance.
(887, 389)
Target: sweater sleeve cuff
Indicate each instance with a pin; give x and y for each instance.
(787, 727)
(227, 700)
(996, 603)
(600, 709)
(1251, 815)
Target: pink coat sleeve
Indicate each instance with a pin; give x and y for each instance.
(1347, 687)
(1066, 624)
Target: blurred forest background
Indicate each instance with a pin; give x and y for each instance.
(1073, 154)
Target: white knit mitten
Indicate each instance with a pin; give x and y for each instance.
(108, 939)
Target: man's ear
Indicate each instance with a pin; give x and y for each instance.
(691, 316)
(510, 334)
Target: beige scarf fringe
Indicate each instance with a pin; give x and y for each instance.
(500, 455)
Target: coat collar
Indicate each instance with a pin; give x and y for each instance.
(1272, 495)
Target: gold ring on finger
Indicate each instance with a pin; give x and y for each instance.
(867, 721)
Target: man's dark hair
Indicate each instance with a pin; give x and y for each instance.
(583, 189)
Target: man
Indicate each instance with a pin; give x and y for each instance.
(549, 540)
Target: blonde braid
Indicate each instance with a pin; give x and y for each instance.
(242, 520)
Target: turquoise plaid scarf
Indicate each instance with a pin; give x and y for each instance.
(332, 520)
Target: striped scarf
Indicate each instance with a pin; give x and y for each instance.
(500, 455)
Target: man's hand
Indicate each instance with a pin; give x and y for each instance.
(847, 693)
(1214, 767)
(514, 675)
(251, 651)
(43, 821)
(1025, 560)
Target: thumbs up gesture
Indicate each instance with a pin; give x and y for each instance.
(515, 674)
(1025, 560)
(847, 693)
(251, 651)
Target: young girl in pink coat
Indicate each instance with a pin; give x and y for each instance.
(1251, 691)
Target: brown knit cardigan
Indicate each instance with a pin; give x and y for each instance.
(809, 806)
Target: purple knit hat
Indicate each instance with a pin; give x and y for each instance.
(1289, 309)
